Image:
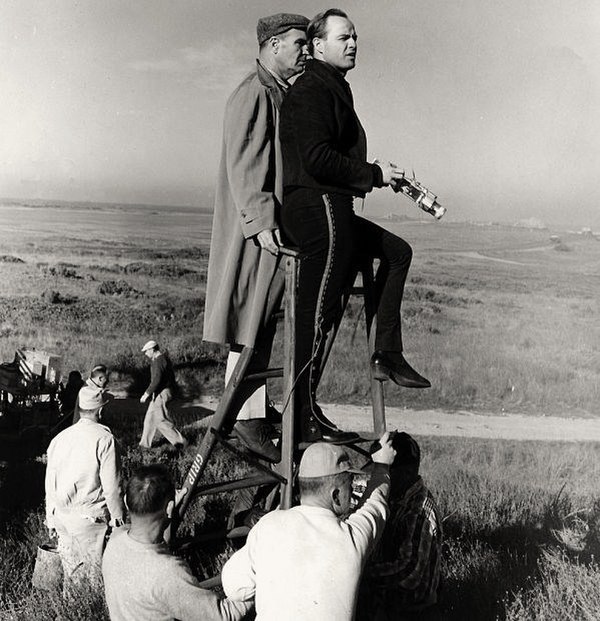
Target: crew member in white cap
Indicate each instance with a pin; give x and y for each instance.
(160, 392)
(83, 491)
(305, 563)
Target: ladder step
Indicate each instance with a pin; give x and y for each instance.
(364, 436)
(356, 291)
(229, 486)
(266, 374)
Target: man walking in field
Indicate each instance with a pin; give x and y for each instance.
(83, 491)
(159, 392)
(142, 578)
(245, 281)
(305, 563)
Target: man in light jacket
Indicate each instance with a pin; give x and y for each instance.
(245, 282)
(83, 491)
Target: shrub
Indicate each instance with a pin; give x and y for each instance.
(55, 297)
(116, 287)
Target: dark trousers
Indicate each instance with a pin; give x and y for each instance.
(332, 240)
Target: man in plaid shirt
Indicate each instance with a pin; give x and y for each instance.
(403, 575)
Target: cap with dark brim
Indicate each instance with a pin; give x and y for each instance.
(273, 25)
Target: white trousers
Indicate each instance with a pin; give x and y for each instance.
(253, 396)
(80, 546)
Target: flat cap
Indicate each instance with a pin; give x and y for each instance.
(273, 25)
(150, 345)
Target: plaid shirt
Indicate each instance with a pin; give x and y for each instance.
(404, 572)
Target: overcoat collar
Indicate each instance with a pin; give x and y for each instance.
(267, 79)
(333, 78)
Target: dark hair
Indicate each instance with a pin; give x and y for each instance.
(317, 28)
(75, 380)
(316, 485)
(149, 489)
(408, 452)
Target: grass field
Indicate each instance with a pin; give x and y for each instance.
(502, 502)
(499, 318)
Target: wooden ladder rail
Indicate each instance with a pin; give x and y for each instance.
(224, 415)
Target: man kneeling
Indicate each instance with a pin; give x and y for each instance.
(402, 578)
(143, 581)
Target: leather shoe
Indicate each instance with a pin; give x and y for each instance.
(256, 434)
(392, 365)
(339, 437)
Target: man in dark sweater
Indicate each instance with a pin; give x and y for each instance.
(324, 166)
(160, 392)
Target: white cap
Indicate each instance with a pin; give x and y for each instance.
(92, 398)
(150, 345)
(322, 459)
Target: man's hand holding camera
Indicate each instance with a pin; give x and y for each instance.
(391, 173)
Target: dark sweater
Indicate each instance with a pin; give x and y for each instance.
(161, 375)
(323, 144)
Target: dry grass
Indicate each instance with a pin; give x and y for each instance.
(502, 501)
(511, 332)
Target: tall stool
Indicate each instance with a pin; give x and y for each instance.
(225, 414)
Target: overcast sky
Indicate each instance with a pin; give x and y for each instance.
(495, 103)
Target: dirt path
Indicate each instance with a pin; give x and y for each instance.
(467, 424)
(464, 424)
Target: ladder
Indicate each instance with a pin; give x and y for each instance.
(281, 474)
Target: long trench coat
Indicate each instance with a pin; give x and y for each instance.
(245, 283)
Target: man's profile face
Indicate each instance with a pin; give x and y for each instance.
(339, 47)
(291, 52)
(344, 496)
(101, 380)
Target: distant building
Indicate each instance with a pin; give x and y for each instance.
(531, 223)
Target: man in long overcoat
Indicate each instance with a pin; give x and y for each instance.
(245, 281)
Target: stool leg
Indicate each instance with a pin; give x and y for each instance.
(286, 466)
(377, 399)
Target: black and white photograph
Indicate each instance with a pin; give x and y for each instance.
(299, 310)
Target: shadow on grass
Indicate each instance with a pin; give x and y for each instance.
(125, 417)
(194, 378)
(21, 489)
(482, 571)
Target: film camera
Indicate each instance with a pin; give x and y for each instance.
(424, 198)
